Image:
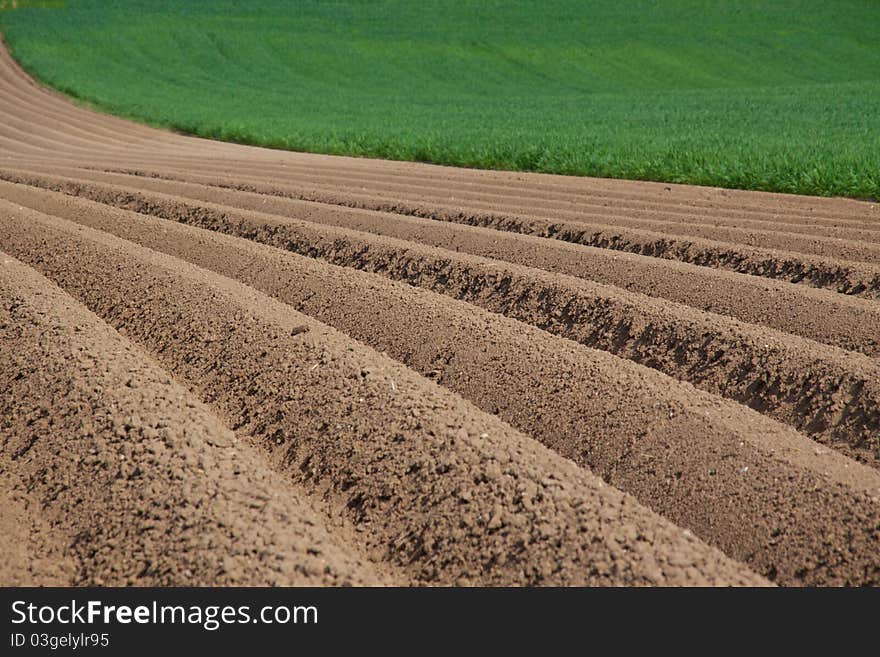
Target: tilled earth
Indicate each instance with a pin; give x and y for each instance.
(224, 365)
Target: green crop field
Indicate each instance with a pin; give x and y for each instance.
(773, 94)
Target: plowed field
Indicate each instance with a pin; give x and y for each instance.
(226, 365)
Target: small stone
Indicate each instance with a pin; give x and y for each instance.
(495, 521)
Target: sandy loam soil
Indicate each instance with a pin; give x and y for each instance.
(225, 365)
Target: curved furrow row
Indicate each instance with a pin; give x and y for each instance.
(697, 460)
(9, 146)
(529, 199)
(70, 128)
(28, 139)
(397, 373)
(524, 199)
(37, 117)
(59, 131)
(620, 194)
(831, 236)
(360, 174)
(44, 106)
(847, 322)
(440, 490)
(830, 394)
(864, 221)
(847, 243)
(141, 483)
(846, 277)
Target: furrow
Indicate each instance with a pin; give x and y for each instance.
(702, 462)
(15, 114)
(843, 321)
(393, 373)
(44, 104)
(446, 180)
(852, 278)
(818, 236)
(515, 192)
(141, 483)
(441, 490)
(830, 394)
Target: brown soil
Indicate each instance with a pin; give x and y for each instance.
(137, 480)
(306, 369)
(844, 321)
(32, 553)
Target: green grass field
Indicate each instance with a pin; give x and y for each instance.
(777, 95)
